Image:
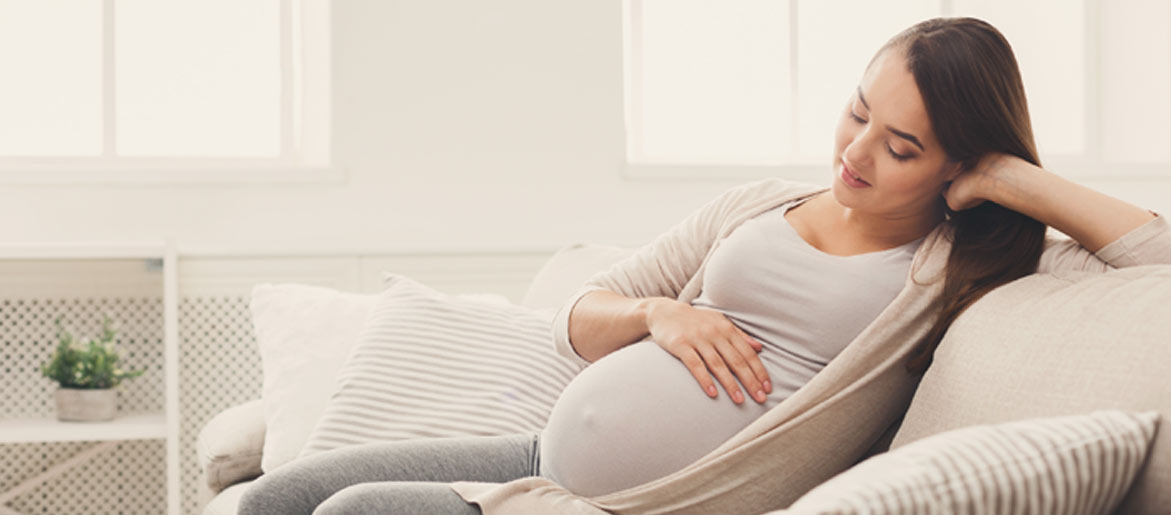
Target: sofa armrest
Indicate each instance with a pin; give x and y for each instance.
(230, 446)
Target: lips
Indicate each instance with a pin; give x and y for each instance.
(852, 179)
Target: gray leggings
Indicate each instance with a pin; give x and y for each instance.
(392, 477)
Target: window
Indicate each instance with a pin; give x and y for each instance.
(754, 88)
(163, 90)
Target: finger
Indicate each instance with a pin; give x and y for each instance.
(761, 372)
(699, 370)
(752, 367)
(757, 346)
(740, 368)
(716, 365)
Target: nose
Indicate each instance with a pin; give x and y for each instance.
(856, 152)
(859, 151)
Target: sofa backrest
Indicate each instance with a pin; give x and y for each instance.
(566, 272)
(1059, 344)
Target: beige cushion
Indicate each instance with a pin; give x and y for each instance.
(1060, 344)
(229, 446)
(228, 501)
(568, 270)
(1080, 464)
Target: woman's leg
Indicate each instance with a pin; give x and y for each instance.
(298, 487)
(414, 498)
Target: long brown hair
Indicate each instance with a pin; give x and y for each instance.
(971, 86)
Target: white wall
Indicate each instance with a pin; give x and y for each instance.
(461, 124)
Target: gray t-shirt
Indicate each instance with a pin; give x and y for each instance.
(638, 414)
(803, 305)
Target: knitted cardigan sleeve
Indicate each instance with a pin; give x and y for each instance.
(660, 268)
(1147, 244)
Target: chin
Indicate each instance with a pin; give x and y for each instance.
(842, 193)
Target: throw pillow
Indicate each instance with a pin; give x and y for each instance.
(430, 364)
(1072, 464)
(304, 334)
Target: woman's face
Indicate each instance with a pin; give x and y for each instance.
(885, 137)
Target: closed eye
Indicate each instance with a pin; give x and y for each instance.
(896, 155)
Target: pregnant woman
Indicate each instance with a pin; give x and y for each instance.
(729, 313)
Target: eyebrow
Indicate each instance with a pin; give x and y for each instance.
(905, 135)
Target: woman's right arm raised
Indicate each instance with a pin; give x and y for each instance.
(704, 340)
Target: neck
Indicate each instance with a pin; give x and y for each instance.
(887, 230)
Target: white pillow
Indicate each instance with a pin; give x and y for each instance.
(430, 364)
(305, 333)
(1070, 465)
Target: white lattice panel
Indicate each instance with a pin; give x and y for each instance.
(219, 366)
(28, 338)
(131, 479)
(221, 369)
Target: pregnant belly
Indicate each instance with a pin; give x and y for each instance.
(634, 416)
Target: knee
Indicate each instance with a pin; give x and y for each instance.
(359, 498)
(395, 498)
(273, 494)
(253, 501)
(261, 497)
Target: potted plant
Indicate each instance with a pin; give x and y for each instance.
(87, 373)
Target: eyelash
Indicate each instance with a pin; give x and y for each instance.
(898, 157)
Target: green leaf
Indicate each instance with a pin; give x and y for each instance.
(92, 364)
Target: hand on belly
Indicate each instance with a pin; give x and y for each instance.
(631, 417)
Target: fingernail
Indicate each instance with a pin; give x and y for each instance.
(760, 395)
(768, 385)
(738, 397)
(711, 390)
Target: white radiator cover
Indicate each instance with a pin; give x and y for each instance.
(219, 364)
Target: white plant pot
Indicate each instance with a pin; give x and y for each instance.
(80, 405)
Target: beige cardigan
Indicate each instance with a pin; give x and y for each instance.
(827, 425)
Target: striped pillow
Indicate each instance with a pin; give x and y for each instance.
(428, 364)
(1072, 464)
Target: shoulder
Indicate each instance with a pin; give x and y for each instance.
(764, 192)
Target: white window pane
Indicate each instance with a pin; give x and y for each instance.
(833, 49)
(1048, 38)
(51, 92)
(1136, 81)
(712, 83)
(198, 78)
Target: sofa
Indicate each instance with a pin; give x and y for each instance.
(1042, 346)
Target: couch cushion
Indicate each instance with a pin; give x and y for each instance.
(1058, 344)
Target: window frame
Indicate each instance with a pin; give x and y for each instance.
(1088, 166)
(305, 153)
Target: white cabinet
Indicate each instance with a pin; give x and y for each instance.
(138, 281)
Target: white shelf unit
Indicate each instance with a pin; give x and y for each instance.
(126, 426)
(147, 426)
